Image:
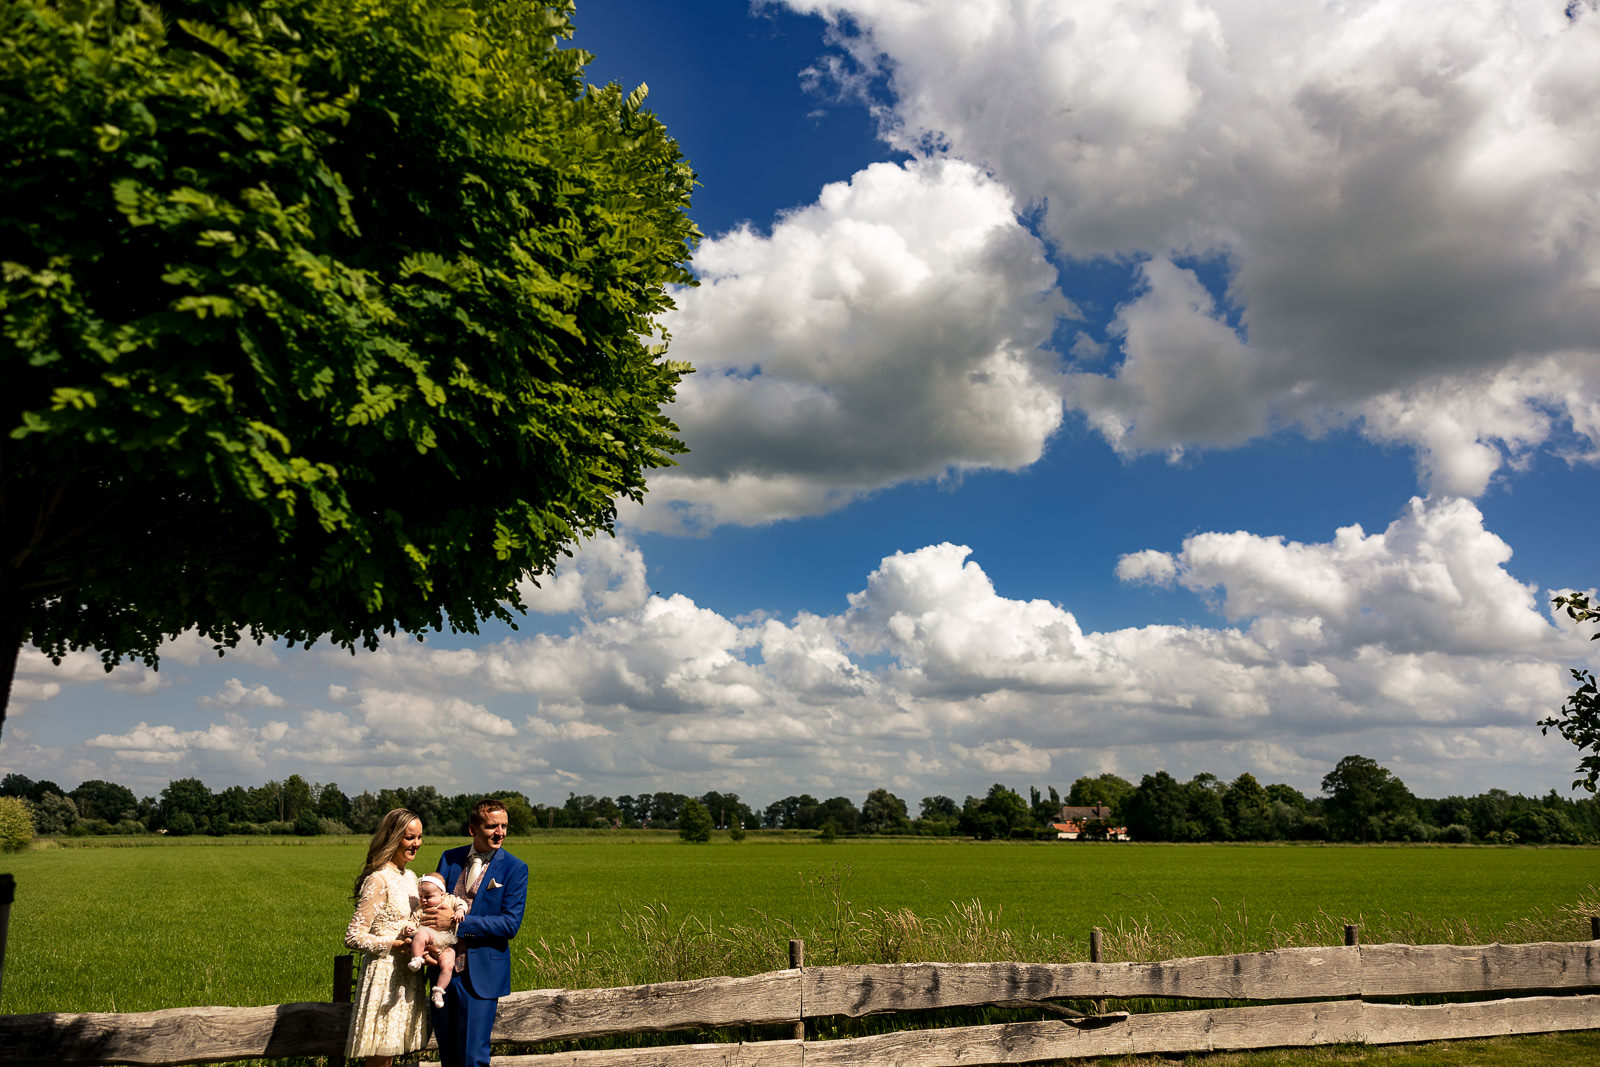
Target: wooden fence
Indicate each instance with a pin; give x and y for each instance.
(1315, 997)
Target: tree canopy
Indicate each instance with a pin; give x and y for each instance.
(1362, 794)
(694, 824)
(1108, 789)
(1158, 810)
(1000, 812)
(317, 317)
(884, 813)
(100, 799)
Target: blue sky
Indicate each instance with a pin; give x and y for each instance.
(1103, 387)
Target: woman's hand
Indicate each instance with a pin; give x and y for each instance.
(399, 944)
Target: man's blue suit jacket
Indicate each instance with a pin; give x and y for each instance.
(496, 915)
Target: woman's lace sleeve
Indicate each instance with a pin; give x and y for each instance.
(358, 934)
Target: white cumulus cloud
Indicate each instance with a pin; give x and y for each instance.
(1375, 642)
(1434, 580)
(232, 746)
(1404, 206)
(1414, 644)
(604, 576)
(889, 332)
(235, 694)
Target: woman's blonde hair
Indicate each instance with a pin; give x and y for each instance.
(386, 841)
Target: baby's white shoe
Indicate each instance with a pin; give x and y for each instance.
(438, 996)
(416, 963)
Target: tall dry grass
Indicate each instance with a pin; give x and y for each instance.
(658, 946)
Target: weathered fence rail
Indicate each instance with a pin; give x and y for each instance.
(1214, 1030)
(1223, 1029)
(1322, 979)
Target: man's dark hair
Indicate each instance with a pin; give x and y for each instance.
(481, 810)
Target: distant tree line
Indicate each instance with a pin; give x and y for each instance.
(1360, 801)
(296, 806)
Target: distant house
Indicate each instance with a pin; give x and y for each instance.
(1090, 823)
(1068, 813)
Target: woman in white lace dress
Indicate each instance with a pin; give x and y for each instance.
(390, 1014)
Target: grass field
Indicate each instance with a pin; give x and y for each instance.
(136, 928)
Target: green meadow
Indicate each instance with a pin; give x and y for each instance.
(206, 922)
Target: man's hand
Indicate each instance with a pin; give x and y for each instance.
(439, 917)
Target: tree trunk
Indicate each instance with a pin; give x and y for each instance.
(10, 648)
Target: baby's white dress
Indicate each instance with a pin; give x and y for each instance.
(390, 1013)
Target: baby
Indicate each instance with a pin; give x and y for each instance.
(430, 888)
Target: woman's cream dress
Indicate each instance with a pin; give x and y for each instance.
(390, 1014)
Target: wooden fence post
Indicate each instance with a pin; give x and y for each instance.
(1094, 957)
(1352, 938)
(343, 991)
(343, 982)
(8, 893)
(1594, 928)
(797, 961)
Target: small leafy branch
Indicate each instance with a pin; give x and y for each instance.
(1579, 718)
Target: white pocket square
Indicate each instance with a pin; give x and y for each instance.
(492, 884)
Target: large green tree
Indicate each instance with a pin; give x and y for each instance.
(317, 317)
(1158, 810)
(1579, 718)
(841, 811)
(727, 810)
(883, 813)
(187, 797)
(694, 822)
(332, 803)
(1206, 807)
(99, 799)
(1108, 789)
(1248, 809)
(294, 797)
(793, 812)
(1001, 811)
(1362, 796)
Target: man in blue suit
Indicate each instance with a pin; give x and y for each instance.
(496, 883)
